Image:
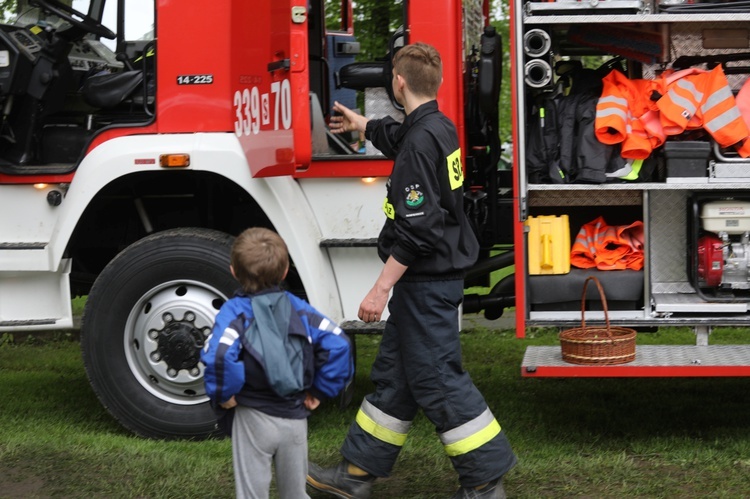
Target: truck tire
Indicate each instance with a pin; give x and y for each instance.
(145, 320)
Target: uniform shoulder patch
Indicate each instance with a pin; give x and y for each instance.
(414, 196)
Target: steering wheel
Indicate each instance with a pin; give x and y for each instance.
(77, 19)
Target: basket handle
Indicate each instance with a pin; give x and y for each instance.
(604, 304)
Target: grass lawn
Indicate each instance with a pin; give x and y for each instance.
(592, 438)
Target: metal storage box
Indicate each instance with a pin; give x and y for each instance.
(687, 159)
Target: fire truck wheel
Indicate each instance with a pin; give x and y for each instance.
(146, 318)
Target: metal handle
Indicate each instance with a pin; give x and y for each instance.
(283, 64)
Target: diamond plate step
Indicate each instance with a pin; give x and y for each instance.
(650, 361)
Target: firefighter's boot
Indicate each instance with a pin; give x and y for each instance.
(493, 490)
(339, 482)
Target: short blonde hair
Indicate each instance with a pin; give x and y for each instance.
(260, 259)
(420, 65)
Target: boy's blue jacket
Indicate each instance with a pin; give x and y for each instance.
(234, 370)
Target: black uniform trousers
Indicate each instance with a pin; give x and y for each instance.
(418, 366)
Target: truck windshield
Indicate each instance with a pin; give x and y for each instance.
(138, 22)
(27, 15)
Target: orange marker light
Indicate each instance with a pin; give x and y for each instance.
(174, 160)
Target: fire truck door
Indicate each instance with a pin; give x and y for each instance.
(271, 86)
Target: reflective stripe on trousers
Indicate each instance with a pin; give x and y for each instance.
(382, 426)
(471, 435)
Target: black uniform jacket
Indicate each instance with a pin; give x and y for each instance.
(426, 228)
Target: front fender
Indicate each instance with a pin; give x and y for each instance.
(281, 198)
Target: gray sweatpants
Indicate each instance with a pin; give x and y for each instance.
(258, 439)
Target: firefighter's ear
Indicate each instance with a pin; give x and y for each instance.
(400, 82)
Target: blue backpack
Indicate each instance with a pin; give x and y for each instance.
(278, 349)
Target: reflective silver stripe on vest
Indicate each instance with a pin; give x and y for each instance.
(471, 435)
(611, 99)
(690, 87)
(682, 102)
(722, 120)
(603, 113)
(716, 98)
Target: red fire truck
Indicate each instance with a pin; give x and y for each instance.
(139, 136)
(128, 162)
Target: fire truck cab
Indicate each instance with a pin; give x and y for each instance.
(138, 137)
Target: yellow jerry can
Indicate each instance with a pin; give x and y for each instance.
(549, 244)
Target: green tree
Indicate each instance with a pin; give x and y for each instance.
(9, 8)
(374, 23)
(376, 20)
(500, 14)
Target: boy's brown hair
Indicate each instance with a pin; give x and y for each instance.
(420, 65)
(259, 259)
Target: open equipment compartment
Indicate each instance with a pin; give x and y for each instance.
(562, 52)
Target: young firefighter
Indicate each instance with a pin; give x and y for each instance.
(426, 245)
(270, 359)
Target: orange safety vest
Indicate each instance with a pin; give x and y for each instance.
(690, 99)
(625, 114)
(608, 247)
(703, 99)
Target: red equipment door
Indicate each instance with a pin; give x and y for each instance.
(270, 85)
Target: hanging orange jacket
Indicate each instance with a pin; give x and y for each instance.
(676, 83)
(625, 115)
(703, 100)
(608, 247)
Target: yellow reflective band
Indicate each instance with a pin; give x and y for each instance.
(635, 168)
(150, 53)
(455, 170)
(390, 212)
(474, 441)
(379, 432)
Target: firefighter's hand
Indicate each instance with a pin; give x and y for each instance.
(311, 403)
(347, 120)
(229, 403)
(371, 308)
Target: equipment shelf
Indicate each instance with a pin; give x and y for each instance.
(633, 18)
(645, 186)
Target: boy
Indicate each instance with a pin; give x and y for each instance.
(270, 359)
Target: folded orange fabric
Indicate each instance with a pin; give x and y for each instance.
(608, 247)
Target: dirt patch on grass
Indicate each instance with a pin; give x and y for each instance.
(16, 484)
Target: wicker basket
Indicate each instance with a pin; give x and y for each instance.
(596, 344)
